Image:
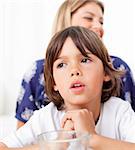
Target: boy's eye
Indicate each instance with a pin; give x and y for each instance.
(85, 60)
(60, 65)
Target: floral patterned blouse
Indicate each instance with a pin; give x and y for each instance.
(32, 95)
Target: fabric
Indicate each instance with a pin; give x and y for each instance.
(117, 120)
(32, 95)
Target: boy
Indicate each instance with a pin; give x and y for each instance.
(82, 84)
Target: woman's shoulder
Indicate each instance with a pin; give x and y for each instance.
(119, 63)
(35, 69)
(39, 65)
(40, 61)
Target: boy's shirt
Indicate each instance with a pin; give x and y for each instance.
(117, 120)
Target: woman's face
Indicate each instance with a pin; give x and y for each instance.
(89, 16)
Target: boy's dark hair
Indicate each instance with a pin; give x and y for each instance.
(83, 39)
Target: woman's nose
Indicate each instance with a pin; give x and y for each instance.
(98, 31)
(97, 28)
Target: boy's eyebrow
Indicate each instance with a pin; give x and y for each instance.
(65, 57)
(61, 57)
(90, 53)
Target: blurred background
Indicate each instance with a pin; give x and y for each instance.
(25, 30)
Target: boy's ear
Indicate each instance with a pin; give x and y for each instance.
(107, 78)
(55, 88)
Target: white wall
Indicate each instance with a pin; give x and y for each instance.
(120, 29)
(25, 27)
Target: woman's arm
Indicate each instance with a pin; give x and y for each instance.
(19, 124)
(128, 82)
(31, 96)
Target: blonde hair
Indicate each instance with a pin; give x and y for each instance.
(67, 9)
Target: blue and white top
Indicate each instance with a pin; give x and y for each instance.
(33, 97)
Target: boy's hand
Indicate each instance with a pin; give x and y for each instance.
(69, 126)
(80, 120)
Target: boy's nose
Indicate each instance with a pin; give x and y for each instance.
(75, 73)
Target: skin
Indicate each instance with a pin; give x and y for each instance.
(89, 16)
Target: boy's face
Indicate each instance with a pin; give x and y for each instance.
(78, 79)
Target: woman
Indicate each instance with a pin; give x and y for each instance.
(86, 13)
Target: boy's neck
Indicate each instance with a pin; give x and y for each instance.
(95, 108)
